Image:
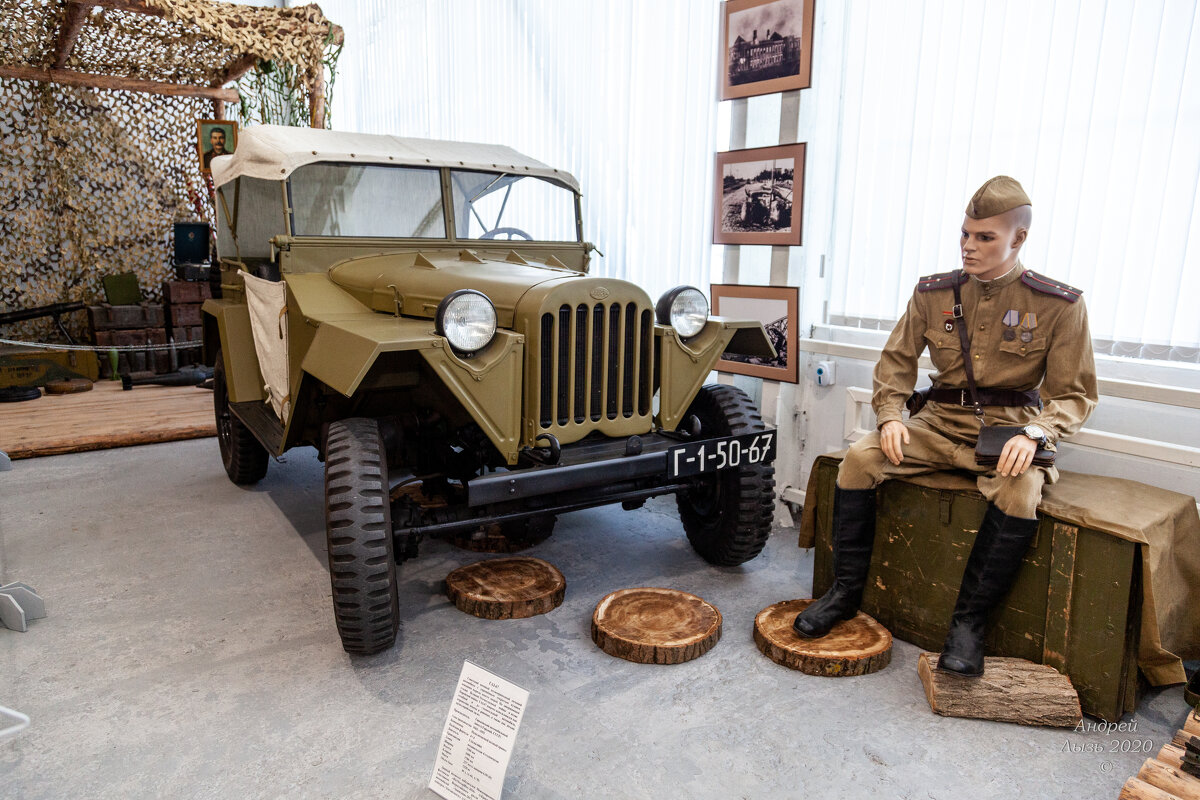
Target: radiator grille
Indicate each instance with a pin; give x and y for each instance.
(595, 364)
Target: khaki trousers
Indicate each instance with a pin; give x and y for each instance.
(930, 450)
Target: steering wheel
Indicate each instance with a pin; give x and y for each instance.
(511, 233)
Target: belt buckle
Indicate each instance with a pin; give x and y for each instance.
(962, 398)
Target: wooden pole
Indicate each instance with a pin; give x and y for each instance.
(69, 33)
(69, 78)
(1171, 780)
(1135, 789)
(316, 100)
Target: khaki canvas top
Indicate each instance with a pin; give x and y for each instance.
(273, 152)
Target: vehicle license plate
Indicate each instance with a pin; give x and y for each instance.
(714, 454)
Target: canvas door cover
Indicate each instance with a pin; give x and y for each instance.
(267, 301)
(1166, 525)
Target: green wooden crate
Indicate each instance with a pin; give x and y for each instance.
(1076, 604)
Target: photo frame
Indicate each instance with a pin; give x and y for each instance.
(777, 308)
(214, 135)
(768, 47)
(758, 195)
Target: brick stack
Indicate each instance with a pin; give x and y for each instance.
(183, 300)
(130, 326)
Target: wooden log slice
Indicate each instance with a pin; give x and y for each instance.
(857, 646)
(506, 588)
(1010, 690)
(655, 626)
(68, 386)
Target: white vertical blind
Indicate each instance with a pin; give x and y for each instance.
(618, 92)
(1094, 105)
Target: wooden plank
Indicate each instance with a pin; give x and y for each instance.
(70, 78)
(1059, 594)
(1010, 690)
(105, 417)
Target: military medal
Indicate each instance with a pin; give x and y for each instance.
(1009, 334)
(949, 326)
(1011, 317)
(1028, 322)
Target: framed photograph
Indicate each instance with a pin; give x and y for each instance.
(759, 195)
(214, 137)
(776, 307)
(768, 47)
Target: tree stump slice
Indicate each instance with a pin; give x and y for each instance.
(68, 386)
(857, 646)
(655, 626)
(1010, 690)
(506, 588)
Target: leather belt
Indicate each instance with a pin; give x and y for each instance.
(987, 397)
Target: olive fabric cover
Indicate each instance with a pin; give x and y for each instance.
(267, 301)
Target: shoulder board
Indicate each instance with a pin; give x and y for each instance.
(1040, 283)
(942, 280)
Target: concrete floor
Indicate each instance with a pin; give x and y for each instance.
(190, 651)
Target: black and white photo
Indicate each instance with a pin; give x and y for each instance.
(768, 47)
(758, 195)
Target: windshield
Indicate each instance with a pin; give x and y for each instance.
(371, 201)
(489, 205)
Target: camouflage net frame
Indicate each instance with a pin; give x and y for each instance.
(91, 179)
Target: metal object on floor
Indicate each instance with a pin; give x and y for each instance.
(11, 722)
(5, 462)
(19, 604)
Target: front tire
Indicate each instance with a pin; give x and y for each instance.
(727, 515)
(358, 532)
(244, 458)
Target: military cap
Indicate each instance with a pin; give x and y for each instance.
(997, 195)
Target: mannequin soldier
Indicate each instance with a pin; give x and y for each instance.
(1033, 366)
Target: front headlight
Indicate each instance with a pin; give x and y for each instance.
(685, 309)
(467, 319)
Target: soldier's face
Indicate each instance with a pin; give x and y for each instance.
(990, 246)
(217, 140)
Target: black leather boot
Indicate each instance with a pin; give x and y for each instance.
(853, 538)
(992, 567)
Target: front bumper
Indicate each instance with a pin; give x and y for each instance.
(585, 464)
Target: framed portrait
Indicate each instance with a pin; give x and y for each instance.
(758, 195)
(768, 46)
(214, 137)
(776, 307)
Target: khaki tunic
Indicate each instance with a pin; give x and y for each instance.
(1057, 361)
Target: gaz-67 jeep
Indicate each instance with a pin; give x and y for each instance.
(421, 313)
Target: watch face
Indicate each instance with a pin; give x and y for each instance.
(1034, 432)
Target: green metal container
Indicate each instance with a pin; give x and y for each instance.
(1076, 604)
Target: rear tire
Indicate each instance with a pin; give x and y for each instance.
(727, 515)
(244, 458)
(358, 532)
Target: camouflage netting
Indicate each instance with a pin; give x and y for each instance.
(92, 179)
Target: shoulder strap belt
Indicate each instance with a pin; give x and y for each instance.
(960, 322)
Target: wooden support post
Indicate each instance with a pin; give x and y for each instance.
(68, 34)
(1178, 783)
(316, 101)
(1010, 690)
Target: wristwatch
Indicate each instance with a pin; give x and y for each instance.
(1036, 433)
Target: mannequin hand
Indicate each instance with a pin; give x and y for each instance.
(1016, 456)
(890, 436)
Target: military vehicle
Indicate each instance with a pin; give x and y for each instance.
(421, 313)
